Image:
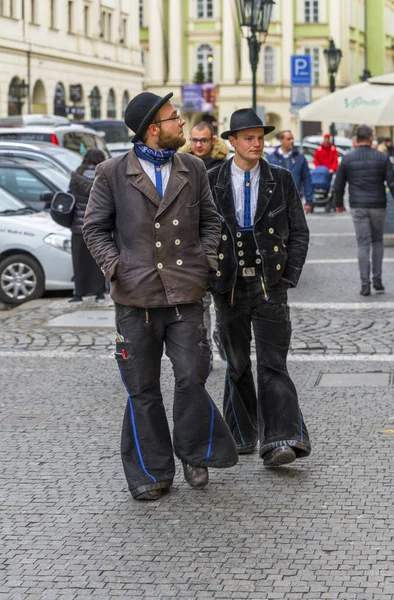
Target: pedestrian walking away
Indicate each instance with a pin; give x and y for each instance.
(263, 246)
(152, 227)
(292, 159)
(88, 278)
(213, 152)
(366, 171)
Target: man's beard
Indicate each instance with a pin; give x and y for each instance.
(170, 142)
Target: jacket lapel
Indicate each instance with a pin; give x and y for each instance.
(267, 187)
(223, 191)
(140, 179)
(177, 181)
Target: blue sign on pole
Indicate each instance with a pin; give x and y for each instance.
(301, 69)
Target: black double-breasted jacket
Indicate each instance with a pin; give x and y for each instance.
(280, 229)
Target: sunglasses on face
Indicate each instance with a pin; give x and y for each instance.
(201, 140)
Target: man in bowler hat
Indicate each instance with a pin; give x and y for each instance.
(152, 227)
(263, 246)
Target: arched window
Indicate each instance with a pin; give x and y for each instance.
(125, 100)
(17, 94)
(204, 9)
(205, 62)
(59, 101)
(269, 65)
(111, 105)
(95, 103)
(39, 104)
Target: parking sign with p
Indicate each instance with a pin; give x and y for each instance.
(301, 71)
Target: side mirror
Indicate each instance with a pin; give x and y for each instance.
(62, 208)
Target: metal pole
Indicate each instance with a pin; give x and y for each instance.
(254, 50)
(28, 81)
(332, 89)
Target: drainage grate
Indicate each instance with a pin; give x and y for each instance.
(354, 379)
(24, 420)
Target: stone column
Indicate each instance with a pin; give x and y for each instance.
(246, 70)
(229, 58)
(175, 70)
(287, 18)
(156, 43)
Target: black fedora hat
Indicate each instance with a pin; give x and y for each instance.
(245, 118)
(141, 110)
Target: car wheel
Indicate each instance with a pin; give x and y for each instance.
(21, 279)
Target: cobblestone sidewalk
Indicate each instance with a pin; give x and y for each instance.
(325, 331)
(320, 529)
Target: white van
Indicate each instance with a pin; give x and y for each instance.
(73, 137)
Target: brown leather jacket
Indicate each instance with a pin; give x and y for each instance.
(156, 252)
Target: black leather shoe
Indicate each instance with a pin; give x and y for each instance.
(365, 290)
(378, 286)
(196, 477)
(283, 455)
(246, 448)
(149, 495)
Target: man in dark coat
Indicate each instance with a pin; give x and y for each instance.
(206, 145)
(152, 227)
(213, 152)
(263, 247)
(292, 159)
(367, 171)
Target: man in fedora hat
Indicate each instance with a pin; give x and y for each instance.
(263, 246)
(152, 227)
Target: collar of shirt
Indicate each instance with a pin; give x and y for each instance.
(237, 181)
(149, 169)
(283, 154)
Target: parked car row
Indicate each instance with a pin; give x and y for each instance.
(35, 252)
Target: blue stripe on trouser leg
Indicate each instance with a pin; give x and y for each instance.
(234, 412)
(137, 445)
(211, 427)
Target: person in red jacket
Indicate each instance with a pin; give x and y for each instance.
(326, 155)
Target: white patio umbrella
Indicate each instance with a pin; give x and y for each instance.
(371, 102)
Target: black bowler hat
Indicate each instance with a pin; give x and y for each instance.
(245, 118)
(141, 110)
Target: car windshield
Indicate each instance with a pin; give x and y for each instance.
(10, 203)
(69, 159)
(81, 142)
(114, 134)
(60, 180)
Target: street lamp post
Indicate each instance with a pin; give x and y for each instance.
(19, 91)
(254, 19)
(333, 56)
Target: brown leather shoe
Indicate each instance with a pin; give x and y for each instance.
(149, 495)
(283, 455)
(196, 477)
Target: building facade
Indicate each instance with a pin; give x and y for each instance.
(79, 58)
(180, 39)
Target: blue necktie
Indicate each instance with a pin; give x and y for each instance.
(247, 213)
(159, 179)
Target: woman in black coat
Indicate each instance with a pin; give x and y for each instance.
(88, 278)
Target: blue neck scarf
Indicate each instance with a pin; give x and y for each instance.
(156, 157)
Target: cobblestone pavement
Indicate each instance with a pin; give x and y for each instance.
(319, 529)
(324, 331)
(322, 528)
